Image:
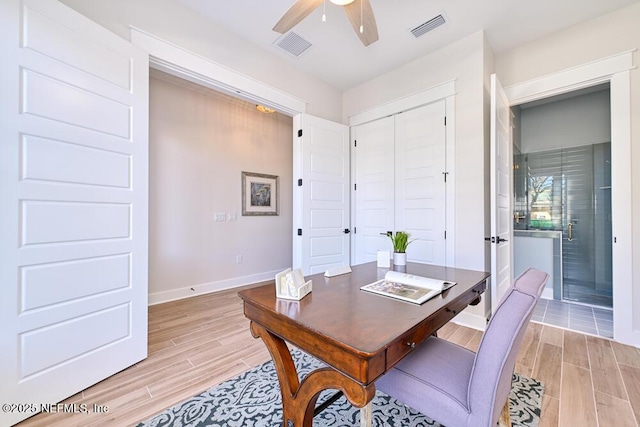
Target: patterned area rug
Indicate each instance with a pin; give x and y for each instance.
(253, 399)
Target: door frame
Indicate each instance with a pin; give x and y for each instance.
(615, 71)
(177, 61)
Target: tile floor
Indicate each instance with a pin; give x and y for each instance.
(581, 318)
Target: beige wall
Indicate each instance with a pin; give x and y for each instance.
(199, 143)
(169, 20)
(607, 35)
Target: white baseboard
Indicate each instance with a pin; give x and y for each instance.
(205, 288)
(471, 321)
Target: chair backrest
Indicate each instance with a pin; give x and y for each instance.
(496, 357)
(530, 282)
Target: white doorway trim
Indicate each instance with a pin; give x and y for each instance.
(418, 99)
(569, 80)
(614, 70)
(175, 60)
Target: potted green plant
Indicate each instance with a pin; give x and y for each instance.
(400, 241)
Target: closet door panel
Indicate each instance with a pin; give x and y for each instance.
(374, 194)
(420, 142)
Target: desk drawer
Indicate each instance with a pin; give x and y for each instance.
(402, 346)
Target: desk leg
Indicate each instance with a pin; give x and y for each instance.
(365, 415)
(299, 398)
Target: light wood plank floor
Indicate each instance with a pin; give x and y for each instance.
(202, 341)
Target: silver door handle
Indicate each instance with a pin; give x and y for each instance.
(570, 231)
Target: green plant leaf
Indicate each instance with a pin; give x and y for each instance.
(400, 241)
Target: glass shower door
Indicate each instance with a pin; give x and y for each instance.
(586, 220)
(569, 190)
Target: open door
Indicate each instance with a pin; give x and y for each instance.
(501, 192)
(74, 211)
(321, 212)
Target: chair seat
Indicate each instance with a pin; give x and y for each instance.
(457, 387)
(438, 365)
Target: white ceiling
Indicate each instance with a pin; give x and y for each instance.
(339, 58)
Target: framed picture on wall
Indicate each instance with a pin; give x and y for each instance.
(260, 194)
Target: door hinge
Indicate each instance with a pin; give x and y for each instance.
(445, 120)
(445, 175)
(300, 182)
(299, 133)
(355, 187)
(445, 234)
(355, 143)
(354, 230)
(299, 231)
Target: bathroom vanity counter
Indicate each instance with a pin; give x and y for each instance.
(540, 249)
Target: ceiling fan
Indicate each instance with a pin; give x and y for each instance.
(359, 12)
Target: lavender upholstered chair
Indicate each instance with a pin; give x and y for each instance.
(529, 282)
(458, 387)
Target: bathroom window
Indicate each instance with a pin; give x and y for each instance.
(541, 201)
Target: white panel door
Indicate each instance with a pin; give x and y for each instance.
(73, 252)
(501, 192)
(321, 195)
(420, 143)
(374, 195)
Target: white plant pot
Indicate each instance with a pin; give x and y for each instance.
(399, 258)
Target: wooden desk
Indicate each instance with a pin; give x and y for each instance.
(358, 334)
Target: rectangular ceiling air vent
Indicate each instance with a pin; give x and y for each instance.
(428, 26)
(293, 44)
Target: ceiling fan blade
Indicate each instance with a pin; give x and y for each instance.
(296, 13)
(368, 21)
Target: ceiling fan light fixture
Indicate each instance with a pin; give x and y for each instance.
(363, 23)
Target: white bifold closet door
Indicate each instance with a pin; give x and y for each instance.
(374, 191)
(399, 173)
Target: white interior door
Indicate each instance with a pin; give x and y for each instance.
(73, 252)
(501, 192)
(374, 196)
(420, 143)
(321, 194)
